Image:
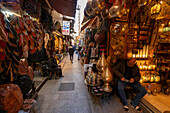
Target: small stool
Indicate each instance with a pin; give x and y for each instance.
(129, 89)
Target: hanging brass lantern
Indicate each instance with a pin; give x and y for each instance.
(88, 11)
(98, 5)
(117, 10)
(101, 64)
(105, 13)
(107, 77)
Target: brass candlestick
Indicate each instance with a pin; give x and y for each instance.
(107, 77)
(101, 64)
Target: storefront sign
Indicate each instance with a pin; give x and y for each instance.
(66, 28)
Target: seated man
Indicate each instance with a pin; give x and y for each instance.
(53, 66)
(128, 74)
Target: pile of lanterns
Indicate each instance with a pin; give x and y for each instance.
(146, 67)
(153, 77)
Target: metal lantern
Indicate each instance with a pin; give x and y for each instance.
(98, 5)
(101, 64)
(107, 77)
(117, 10)
(105, 13)
(88, 11)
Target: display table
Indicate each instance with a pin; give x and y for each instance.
(97, 93)
(161, 101)
(96, 96)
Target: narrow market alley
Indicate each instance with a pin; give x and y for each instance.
(77, 100)
(84, 56)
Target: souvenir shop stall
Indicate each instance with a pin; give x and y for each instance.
(21, 49)
(138, 29)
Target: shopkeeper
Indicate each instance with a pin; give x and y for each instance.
(128, 74)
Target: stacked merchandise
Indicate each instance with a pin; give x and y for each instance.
(21, 42)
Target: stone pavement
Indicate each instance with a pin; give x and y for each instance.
(51, 100)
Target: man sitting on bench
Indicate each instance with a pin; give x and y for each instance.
(54, 67)
(128, 74)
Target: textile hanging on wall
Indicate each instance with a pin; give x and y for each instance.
(29, 5)
(32, 7)
(11, 4)
(94, 52)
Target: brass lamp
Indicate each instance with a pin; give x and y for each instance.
(101, 64)
(116, 10)
(107, 77)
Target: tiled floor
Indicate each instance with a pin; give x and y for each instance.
(51, 100)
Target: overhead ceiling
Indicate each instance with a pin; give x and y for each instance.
(65, 7)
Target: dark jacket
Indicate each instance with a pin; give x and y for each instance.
(52, 63)
(119, 71)
(71, 50)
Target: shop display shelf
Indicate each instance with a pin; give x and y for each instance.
(141, 58)
(147, 70)
(130, 34)
(162, 52)
(164, 42)
(163, 62)
(149, 82)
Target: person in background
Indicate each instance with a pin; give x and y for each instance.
(71, 52)
(128, 74)
(79, 53)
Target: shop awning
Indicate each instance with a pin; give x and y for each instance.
(65, 7)
(88, 23)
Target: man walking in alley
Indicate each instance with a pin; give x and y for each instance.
(128, 74)
(71, 52)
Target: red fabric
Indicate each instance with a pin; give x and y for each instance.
(3, 23)
(2, 45)
(12, 4)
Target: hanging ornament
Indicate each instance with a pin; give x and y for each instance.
(105, 13)
(88, 11)
(117, 10)
(98, 5)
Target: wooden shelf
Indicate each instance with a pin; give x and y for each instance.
(164, 42)
(163, 62)
(141, 58)
(130, 34)
(162, 52)
(146, 70)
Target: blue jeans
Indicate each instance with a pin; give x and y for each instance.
(78, 56)
(141, 92)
